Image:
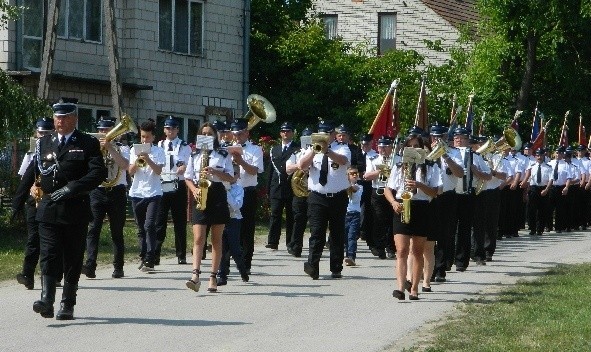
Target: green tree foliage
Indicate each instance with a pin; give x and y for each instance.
(7, 13)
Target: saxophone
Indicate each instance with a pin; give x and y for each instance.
(203, 183)
(406, 195)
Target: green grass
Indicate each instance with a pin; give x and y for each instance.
(13, 240)
(550, 314)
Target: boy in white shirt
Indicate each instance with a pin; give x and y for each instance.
(353, 217)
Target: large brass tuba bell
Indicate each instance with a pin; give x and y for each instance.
(259, 109)
(299, 183)
(125, 125)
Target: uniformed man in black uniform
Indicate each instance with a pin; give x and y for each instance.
(111, 201)
(368, 154)
(327, 202)
(279, 186)
(70, 165)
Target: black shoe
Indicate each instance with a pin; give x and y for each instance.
(89, 271)
(29, 282)
(66, 312)
(489, 258)
(272, 246)
(382, 254)
(182, 261)
(398, 294)
(157, 261)
(426, 289)
(117, 273)
(244, 276)
(311, 271)
(336, 275)
(294, 253)
(390, 255)
(222, 281)
(408, 285)
(460, 268)
(413, 297)
(439, 279)
(375, 251)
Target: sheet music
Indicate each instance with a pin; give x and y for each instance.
(142, 148)
(204, 142)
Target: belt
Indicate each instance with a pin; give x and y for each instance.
(330, 195)
(109, 189)
(375, 191)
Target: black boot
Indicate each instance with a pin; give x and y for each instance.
(157, 252)
(45, 305)
(66, 311)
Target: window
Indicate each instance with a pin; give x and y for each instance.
(32, 44)
(88, 117)
(330, 26)
(180, 26)
(386, 32)
(80, 19)
(187, 130)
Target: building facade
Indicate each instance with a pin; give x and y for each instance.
(398, 24)
(184, 58)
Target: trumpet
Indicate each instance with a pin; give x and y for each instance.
(438, 151)
(140, 162)
(319, 142)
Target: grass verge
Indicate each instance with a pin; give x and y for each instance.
(14, 238)
(549, 314)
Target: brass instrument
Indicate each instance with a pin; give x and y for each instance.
(38, 194)
(125, 125)
(203, 183)
(299, 183)
(440, 148)
(140, 162)
(510, 139)
(259, 109)
(385, 169)
(320, 142)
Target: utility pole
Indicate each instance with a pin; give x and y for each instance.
(112, 49)
(48, 49)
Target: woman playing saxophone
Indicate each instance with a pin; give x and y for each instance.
(422, 182)
(215, 212)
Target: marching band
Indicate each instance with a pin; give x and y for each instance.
(472, 187)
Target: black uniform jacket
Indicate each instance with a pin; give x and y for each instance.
(279, 183)
(79, 165)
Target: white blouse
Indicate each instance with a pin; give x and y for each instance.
(396, 180)
(221, 162)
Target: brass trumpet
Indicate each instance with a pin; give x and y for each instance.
(320, 142)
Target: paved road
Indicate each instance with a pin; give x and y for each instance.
(281, 309)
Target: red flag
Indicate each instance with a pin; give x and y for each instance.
(563, 137)
(582, 134)
(387, 121)
(422, 117)
(515, 123)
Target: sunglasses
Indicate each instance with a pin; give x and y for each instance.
(353, 173)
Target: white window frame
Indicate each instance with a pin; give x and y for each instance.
(30, 37)
(173, 28)
(66, 18)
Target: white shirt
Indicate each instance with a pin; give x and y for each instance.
(546, 172)
(252, 155)
(180, 152)
(372, 165)
(354, 204)
(563, 172)
(337, 179)
(477, 161)
(502, 165)
(432, 179)
(219, 161)
(25, 163)
(449, 181)
(146, 183)
(235, 199)
(122, 180)
(294, 159)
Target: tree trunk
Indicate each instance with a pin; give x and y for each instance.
(530, 68)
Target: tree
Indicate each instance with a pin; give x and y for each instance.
(7, 13)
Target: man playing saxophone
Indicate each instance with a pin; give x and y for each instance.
(378, 169)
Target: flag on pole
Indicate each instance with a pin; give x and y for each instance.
(582, 132)
(563, 142)
(481, 127)
(422, 117)
(515, 122)
(540, 140)
(535, 125)
(470, 114)
(387, 120)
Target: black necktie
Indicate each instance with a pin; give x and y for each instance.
(324, 170)
(539, 175)
(62, 143)
(556, 171)
(284, 148)
(170, 156)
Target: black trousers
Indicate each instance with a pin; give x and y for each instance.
(276, 219)
(249, 212)
(176, 204)
(62, 244)
(300, 221)
(537, 209)
(32, 246)
(145, 211)
(445, 207)
(491, 225)
(111, 202)
(327, 213)
(559, 205)
(505, 213)
(383, 215)
(367, 214)
(464, 218)
(575, 206)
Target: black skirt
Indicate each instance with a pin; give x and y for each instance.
(216, 210)
(419, 220)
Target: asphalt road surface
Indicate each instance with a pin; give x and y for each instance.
(280, 309)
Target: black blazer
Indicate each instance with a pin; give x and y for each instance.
(279, 184)
(80, 166)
